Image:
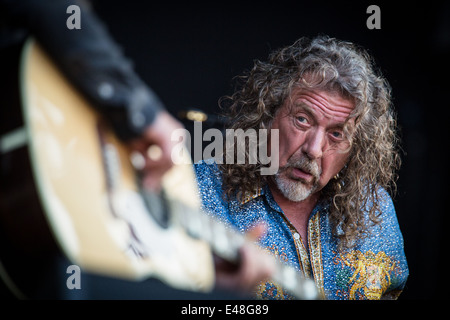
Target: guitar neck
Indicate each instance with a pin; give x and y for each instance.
(168, 210)
(226, 243)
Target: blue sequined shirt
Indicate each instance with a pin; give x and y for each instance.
(374, 268)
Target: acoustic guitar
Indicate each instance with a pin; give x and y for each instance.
(69, 185)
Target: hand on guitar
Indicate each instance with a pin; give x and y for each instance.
(156, 146)
(254, 266)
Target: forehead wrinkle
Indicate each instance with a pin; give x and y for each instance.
(304, 107)
(310, 111)
(337, 110)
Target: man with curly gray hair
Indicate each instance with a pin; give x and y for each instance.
(328, 210)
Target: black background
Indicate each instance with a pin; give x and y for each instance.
(190, 52)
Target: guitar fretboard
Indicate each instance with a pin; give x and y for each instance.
(225, 241)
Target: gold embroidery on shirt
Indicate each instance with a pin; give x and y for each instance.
(371, 273)
(250, 196)
(311, 264)
(315, 251)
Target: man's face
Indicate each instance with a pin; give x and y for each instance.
(312, 145)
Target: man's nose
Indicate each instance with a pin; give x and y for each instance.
(314, 144)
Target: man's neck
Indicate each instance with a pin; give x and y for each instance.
(297, 212)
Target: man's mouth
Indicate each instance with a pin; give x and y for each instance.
(302, 174)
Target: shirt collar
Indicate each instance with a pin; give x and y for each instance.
(262, 192)
(267, 194)
(250, 196)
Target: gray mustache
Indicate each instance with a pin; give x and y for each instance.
(304, 164)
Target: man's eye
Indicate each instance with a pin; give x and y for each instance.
(337, 134)
(302, 119)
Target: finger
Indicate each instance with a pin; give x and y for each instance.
(257, 231)
(257, 266)
(154, 152)
(153, 157)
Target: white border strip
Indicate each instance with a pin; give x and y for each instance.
(13, 140)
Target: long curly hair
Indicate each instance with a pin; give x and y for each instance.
(335, 66)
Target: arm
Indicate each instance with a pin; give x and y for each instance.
(96, 66)
(92, 61)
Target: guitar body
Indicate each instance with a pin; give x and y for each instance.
(56, 195)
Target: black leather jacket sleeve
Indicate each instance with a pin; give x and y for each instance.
(91, 60)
